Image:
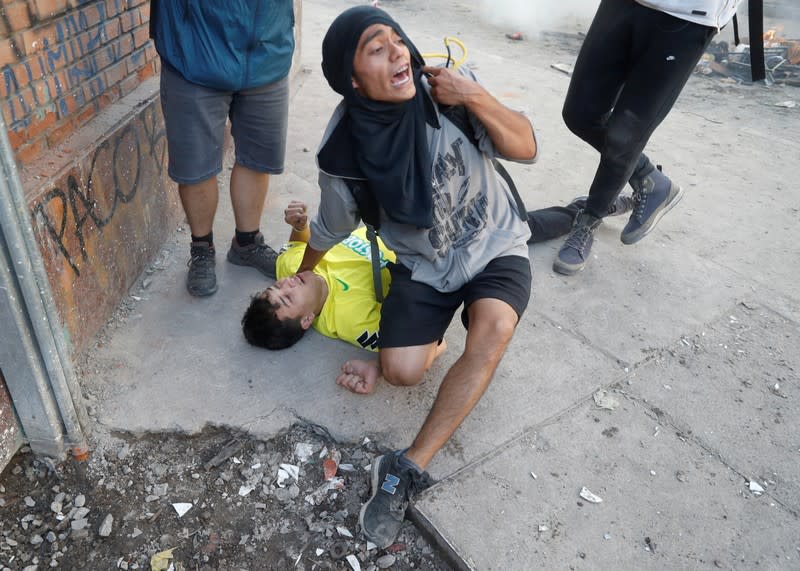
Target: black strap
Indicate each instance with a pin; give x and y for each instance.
(375, 257)
(501, 170)
(458, 116)
(736, 39)
(755, 14)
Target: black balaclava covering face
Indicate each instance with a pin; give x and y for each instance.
(385, 143)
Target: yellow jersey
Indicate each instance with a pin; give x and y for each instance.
(351, 312)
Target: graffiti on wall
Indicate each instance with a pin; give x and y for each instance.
(80, 205)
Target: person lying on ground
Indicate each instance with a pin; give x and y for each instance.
(338, 298)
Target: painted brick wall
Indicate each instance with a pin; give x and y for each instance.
(62, 61)
(10, 436)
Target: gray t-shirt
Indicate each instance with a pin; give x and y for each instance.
(475, 216)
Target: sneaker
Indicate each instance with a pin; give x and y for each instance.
(653, 196)
(393, 486)
(257, 255)
(621, 205)
(574, 253)
(202, 279)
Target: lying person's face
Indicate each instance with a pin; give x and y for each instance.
(382, 66)
(296, 296)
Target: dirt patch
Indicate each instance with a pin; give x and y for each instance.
(246, 508)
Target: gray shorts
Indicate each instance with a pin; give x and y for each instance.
(195, 119)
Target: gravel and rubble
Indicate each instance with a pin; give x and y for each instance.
(217, 500)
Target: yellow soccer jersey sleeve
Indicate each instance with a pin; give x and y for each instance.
(351, 312)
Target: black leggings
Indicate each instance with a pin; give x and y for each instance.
(630, 70)
(551, 222)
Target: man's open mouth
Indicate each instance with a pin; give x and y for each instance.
(402, 76)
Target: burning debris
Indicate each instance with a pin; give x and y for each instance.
(781, 60)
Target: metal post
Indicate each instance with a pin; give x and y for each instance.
(35, 314)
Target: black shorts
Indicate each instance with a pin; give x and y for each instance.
(417, 314)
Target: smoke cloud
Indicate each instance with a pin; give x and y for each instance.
(534, 16)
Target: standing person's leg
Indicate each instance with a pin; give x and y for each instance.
(494, 300)
(599, 75)
(195, 123)
(673, 48)
(667, 50)
(259, 119)
(600, 71)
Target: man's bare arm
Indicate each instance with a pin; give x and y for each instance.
(311, 258)
(296, 216)
(510, 131)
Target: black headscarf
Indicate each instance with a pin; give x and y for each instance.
(384, 143)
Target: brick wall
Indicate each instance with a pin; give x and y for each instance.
(62, 61)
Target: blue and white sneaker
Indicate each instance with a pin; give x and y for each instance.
(653, 196)
(393, 486)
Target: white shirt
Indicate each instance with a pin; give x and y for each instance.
(711, 13)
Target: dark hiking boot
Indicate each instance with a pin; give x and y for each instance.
(257, 255)
(621, 205)
(653, 196)
(574, 253)
(202, 278)
(393, 486)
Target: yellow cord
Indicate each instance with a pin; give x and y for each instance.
(456, 62)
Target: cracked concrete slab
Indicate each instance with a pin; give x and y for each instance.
(734, 387)
(171, 362)
(666, 502)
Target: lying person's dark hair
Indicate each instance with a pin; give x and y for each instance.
(262, 327)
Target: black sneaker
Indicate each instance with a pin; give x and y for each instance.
(574, 253)
(257, 255)
(653, 196)
(393, 486)
(202, 279)
(621, 205)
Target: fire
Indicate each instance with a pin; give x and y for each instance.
(773, 35)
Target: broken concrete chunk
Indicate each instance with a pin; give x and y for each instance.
(287, 472)
(587, 495)
(105, 527)
(605, 401)
(303, 451)
(343, 531)
(181, 508)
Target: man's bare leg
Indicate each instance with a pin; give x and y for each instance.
(492, 324)
(248, 193)
(361, 376)
(199, 202)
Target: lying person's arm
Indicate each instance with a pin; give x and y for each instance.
(509, 130)
(336, 217)
(296, 216)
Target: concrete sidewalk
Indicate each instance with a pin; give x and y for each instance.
(693, 332)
